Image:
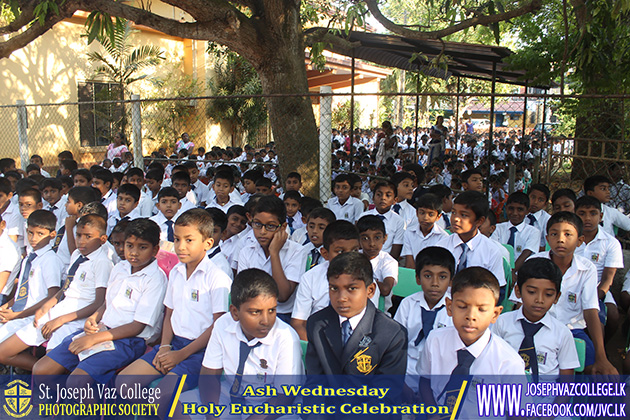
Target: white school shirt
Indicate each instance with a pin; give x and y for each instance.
(195, 300)
(603, 251)
(542, 217)
(186, 205)
(408, 213)
(554, 343)
(10, 261)
(228, 247)
(13, 219)
(383, 266)
(201, 191)
(526, 237)
(394, 227)
(279, 354)
(220, 261)
(45, 273)
(482, 252)
(235, 195)
(214, 204)
(300, 236)
(414, 240)
(109, 200)
(161, 220)
(409, 315)
(59, 210)
(291, 258)
(135, 297)
(145, 204)
(114, 218)
(493, 356)
(613, 217)
(90, 275)
(297, 222)
(350, 210)
(579, 292)
(245, 238)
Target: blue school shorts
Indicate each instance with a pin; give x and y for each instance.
(191, 366)
(100, 366)
(602, 312)
(589, 358)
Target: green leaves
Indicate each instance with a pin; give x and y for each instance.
(101, 26)
(42, 10)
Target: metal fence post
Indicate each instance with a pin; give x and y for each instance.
(22, 126)
(325, 135)
(136, 124)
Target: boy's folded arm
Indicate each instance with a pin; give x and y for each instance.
(386, 285)
(4, 277)
(52, 291)
(131, 329)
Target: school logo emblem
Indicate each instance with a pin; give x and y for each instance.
(364, 362)
(525, 358)
(542, 358)
(23, 291)
(17, 399)
(594, 257)
(365, 341)
(572, 298)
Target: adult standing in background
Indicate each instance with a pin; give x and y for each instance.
(437, 145)
(184, 143)
(387, 143)
(118, 147)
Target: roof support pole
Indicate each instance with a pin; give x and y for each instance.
(457, 110)
(491, 131)
(415, 134)
(352, 114)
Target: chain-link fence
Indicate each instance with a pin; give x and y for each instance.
(554, 139)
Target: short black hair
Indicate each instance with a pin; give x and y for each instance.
(465, 176)
(518, 197)
(541, 188)
(264, 182)
(429, 201)
(69, 164)
(386, 184)
(168, 192)
(226, 176)
(272, 205)
(435, 255)
(477, 278)
(539, 268)
(43, 219)
(84, 173)
(564, 192)
(441, 190)
(592, 181)
(588, 201)
(251, 283)
(33, 193)
(339, 229)
(65, 154)
(322, 213)
(155, 174)
(308, 204)
(5, 186)
(342, 178)
(33, 167)
(253, 175)
(180, 176)
(492, 218)
(6, 163)
(399, 177)
(354, 264)
(105, 176)
(200, 219)
(371, 222)
(145, 229)
(218, 217)
(134, 172)
(566, 217)
(67, 181)
(292, 195)
(24, 184)
(295, 175)
(120, 227)
(83, 194)
(475, 201)
(96, 221)
(237, 209)
(130, 190)
(95, 207)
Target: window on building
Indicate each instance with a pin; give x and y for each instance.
(99, 121)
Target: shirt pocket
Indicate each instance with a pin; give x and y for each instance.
(127, 299)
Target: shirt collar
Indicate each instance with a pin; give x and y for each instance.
(94, 253)
(235, 328)
(545, 320)
(472, 243)
(202, 267)
(354, 321)
(145, 271)
(520, 226)
(107, 194)
(478, 346)
(43, 250)
(419, 297)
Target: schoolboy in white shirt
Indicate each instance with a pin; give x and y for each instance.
(342, 204)
(135, 176)
(517, 232)
(425, 311)
(316, 223)
(9, 211)
(598, 186)
(196, 297)
(51, 193)
(103, 180)
(215, 254)
(538, 217)
(237, 222)
(201, 191)
(545, 344)
(223, 186)
(129, 316)
(270, 348)
(9, 263)
(127, 199)
(83, 292)
(181, 182)
(384, 199)
(39, 279)
(404, 188)
(168, 208)
(273, 252)
(426, 232)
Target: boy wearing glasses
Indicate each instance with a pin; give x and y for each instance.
(273, 253)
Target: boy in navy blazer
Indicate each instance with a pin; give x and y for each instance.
(350, 336)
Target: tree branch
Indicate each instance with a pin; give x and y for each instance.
(483, 20)
(324, 35)
(22, 19)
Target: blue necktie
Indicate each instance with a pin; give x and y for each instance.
(346, 331)
(170, 234)
(532, 219)
(464, 361)
(71, 272)
(447, 222)
(307, 240)
(20, 300)
(428, 318)
(527, 350)
(290, 221)
(215, 252)
(380, 216)
(513, 230)
(244, 351)
(462, 258)
(58, 238)
(314, 258)
(396, 208)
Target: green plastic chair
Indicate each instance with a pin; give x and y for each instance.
(406, 283)
(381, 303)
(510, 249)
(304, 344)
(507, 304)
(580, 346)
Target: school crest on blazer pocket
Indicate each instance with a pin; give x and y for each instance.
(363, 361)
